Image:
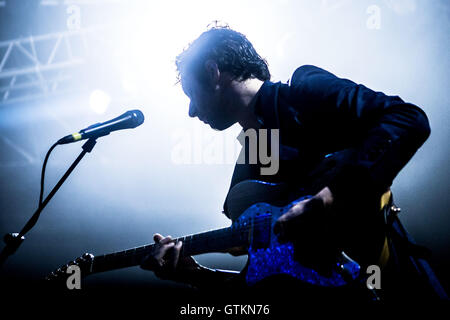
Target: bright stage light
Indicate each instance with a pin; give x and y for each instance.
(99, 101)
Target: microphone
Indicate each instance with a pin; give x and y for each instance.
(128, 120)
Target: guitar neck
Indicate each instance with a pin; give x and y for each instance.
(211, 241)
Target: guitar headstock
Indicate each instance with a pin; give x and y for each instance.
(84, 263)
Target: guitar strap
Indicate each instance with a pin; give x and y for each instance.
(385, 253)
(407, 256)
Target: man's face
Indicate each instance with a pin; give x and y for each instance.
(208, 102)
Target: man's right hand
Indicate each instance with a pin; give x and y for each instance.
(165, 260)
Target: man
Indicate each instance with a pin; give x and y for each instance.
(317, 115)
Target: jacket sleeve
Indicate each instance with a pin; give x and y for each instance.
(391, 130)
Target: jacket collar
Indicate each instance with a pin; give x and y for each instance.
(266, 104)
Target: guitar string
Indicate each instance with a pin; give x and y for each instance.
(194, 239)
(242, 230)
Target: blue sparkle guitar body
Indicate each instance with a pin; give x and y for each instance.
(267, 255)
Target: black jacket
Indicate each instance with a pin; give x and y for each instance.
(364, 138)
(370, 135)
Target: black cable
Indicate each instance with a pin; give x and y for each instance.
(14, 240)
(41, 195)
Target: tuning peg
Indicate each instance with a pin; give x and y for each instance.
(88, 256)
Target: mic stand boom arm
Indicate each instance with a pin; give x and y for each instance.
(14, 240)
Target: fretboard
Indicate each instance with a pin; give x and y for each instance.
(211, 241)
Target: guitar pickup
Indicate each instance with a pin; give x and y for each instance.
(261, 231)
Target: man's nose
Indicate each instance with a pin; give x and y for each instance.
(192, 110)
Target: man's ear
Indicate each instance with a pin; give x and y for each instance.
(212, 72)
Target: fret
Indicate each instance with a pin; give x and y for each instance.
(186, 248)
(141, 250)
(210, 241)
(148, 248)
(182, 239)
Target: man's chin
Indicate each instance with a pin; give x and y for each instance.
(219, 126)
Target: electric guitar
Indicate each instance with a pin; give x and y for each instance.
(254, 207)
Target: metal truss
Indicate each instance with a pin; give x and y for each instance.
(36, 66)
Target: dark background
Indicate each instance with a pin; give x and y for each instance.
(133, 184)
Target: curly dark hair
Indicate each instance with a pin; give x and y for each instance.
(231, 51)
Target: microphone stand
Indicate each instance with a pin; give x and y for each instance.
(14, 240)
